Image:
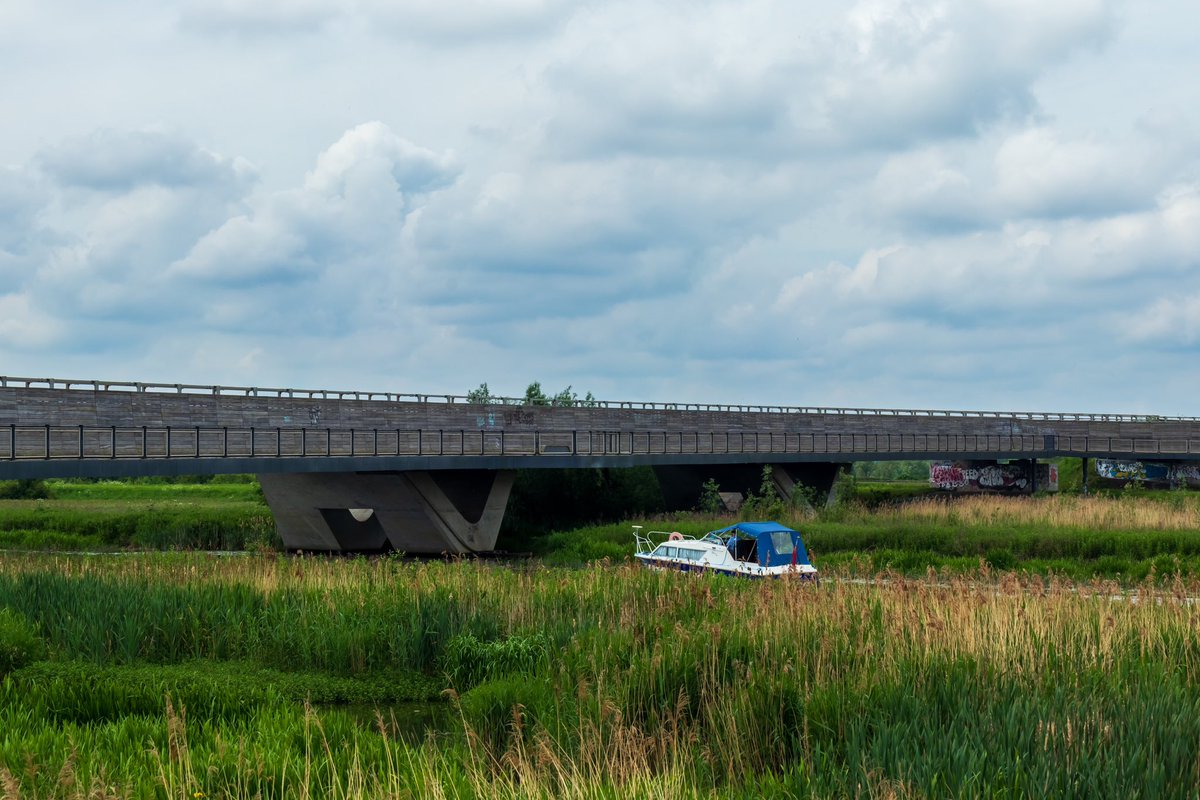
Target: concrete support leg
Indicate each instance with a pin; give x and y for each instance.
(452, 511)
(818, 481)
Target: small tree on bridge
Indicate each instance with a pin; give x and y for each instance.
(481, 395)
(534, 396)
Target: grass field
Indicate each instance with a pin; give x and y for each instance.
(113, 515)
(186, 675)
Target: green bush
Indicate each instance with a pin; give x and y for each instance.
(24, 490)
(19, 642)
(1001, 558)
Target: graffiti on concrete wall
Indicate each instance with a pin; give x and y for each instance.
(986, 476)
(1154, 471)
(947, 476)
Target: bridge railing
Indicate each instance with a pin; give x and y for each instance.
(447, 399)
(80, 442)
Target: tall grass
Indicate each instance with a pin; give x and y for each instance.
(152, 517)
(1176, 511)
(613, 682)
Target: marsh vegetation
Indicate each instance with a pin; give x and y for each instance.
(1003, 647)
(171, 675)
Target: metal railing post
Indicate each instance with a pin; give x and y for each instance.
(197, 441)
(143, 441)
(278, 442)
(81, 441)
(47, 442)
(113, 441)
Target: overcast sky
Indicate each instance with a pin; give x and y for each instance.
(962, 204)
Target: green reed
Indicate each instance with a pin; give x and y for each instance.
(602, 682)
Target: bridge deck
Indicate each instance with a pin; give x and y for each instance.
(59, 427)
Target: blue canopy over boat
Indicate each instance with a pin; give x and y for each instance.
(775, 545)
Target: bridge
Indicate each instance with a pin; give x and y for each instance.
(349, 470)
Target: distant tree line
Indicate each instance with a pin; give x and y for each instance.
(891, 471)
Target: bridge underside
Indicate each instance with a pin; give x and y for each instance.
(682, 484)
(460, 511)
(450, 511)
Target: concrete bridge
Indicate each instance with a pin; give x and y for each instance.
(347, 470)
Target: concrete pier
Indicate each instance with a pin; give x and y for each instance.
(451, 511)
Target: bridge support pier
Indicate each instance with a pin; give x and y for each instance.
(682, 484)
(447, 511)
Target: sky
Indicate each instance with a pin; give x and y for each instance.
(968, 204)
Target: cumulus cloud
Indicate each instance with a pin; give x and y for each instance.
(22, 197)
(261, 17)
(115, 161)
(890, 202)
(776, 81)
(904, 71)
(1168, 321)
(1026, 173)
(468, 21)
(422, 21)
(353, 205)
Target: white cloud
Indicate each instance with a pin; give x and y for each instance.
(115, 161)
(353, 205)
(468, 21)
(258, 17)
(1172, 321)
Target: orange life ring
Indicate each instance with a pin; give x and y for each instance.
(675, 536)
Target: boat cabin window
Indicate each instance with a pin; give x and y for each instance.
(782, 542)
(668, 551)
(746, 550)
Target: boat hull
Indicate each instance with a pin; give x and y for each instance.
(752, 573)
